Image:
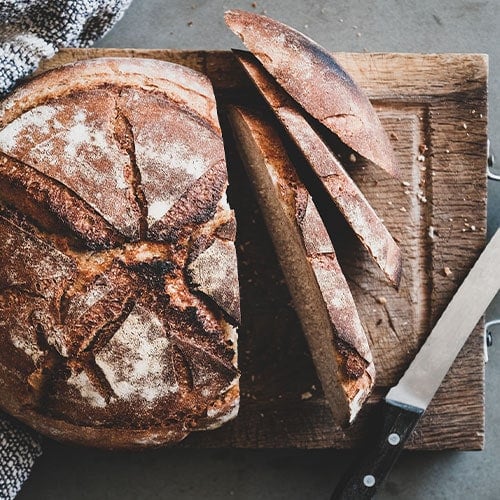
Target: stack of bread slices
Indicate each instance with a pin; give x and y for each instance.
(311, 96)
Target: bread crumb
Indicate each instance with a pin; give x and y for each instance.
(352, 158)
(464, 125)
(447, 271)
(447, 151)
(432, 232)
(473, 112)
(406, 184)
(390, 203)
(423, 148)
(420, 157)
(381, 300)
(473, 228)
(421, 197)
(306, 395)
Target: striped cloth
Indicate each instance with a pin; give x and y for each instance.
(29, 31)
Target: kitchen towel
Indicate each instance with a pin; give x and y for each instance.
(29, 31)
(34, 29)
(19, 448)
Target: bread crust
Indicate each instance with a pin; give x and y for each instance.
(317, 82)
(320, 293)
(116, 333)
(341, 189)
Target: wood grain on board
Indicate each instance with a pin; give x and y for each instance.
(434, 109)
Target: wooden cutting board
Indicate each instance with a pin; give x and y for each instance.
(434, 108)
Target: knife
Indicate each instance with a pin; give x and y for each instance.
(405, 403)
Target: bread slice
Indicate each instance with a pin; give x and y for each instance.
(320, 293)
(342, 190)
(317, 82)
(118, 282)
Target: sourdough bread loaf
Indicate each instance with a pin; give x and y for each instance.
(118, 282)
(320, 293)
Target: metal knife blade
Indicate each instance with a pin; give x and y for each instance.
(424, 376)
(407, 401)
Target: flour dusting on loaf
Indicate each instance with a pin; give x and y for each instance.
(138, 366)
(75, 145)
(86, 388)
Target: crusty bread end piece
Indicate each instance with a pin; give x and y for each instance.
(318, 83)
(320, 293)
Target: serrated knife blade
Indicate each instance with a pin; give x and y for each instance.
(408, 399)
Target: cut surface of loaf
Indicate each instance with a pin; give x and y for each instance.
(118, 280)
(320, 293)
(337, 183)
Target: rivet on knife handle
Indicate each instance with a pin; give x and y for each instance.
(366, 475)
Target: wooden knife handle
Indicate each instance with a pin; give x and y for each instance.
(374, 464)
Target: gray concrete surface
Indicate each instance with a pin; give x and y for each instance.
(342, 25)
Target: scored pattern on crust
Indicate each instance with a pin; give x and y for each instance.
(104, 322)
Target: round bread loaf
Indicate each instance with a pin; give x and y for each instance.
(118, 279)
